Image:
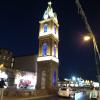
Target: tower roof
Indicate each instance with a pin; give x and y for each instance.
(49, 13)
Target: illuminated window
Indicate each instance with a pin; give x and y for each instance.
(54, 28)
(54, 78)
(44, 49)
(55, 49)
(45, 27)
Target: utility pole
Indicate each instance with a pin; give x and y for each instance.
(96, 50)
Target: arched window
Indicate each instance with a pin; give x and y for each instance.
(55, 49)
(54, 78)
(55, 29)
(45, 27)
(44, 49)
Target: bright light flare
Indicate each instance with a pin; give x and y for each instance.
(1, 65)
(78, 96)
(74, 78)
(3, 75)
(86, 38)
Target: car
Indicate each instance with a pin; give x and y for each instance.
(66, 92)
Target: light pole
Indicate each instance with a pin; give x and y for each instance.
(95, 47)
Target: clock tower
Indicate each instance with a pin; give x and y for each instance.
(47, 68)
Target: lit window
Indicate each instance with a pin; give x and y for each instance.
(54, 78)
(44, 49)
(55, 49)
(54, 28)
(45, 27)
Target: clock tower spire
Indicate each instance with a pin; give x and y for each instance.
(47, 70)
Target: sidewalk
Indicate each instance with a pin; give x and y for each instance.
(25, 98)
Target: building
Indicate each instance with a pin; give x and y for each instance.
(26, 63)
(25, 71)
(5, 64)
(5, 58)
(47, 61)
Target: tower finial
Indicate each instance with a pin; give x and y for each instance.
(49, 3)
(49, 12)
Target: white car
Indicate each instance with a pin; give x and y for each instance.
(66, 92)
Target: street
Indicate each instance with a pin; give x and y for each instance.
(59, 98)
(81, 97)
(78, 96)
(53, 98)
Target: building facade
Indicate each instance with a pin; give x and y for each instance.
(25, 71)
(5, 58)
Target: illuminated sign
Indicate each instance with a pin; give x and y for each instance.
(25, 80)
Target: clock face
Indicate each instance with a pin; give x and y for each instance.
(45, 27)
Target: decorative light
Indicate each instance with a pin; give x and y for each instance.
(49, 3)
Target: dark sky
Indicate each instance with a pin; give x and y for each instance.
(19, 28)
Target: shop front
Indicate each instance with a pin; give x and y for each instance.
(25, 80)
(4, 76)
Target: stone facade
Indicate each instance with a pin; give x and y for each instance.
(48, 61)
(49, 67)
(26, 63)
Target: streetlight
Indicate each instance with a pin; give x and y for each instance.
(86, 38)
(96, 50)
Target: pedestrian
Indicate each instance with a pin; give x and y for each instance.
(93, 94)
(2, 84)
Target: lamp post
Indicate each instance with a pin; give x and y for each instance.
(95, 47)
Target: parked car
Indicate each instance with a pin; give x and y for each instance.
(66, 92)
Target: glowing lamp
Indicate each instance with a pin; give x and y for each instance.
(87, 38)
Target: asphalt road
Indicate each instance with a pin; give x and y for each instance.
(54, 98)
(78, 97)
(59, 98)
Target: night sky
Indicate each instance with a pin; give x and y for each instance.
(19, 28)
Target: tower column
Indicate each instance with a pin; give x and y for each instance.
(47, 61)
